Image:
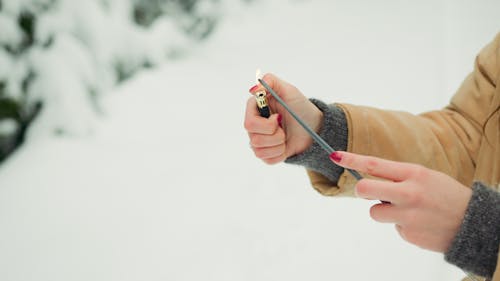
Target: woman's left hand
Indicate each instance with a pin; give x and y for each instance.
(427, 206)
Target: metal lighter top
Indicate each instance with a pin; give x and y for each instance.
(262, 104)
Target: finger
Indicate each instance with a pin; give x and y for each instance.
(254, 123)
(381, 190)
(396, 171)
(275, 160)
(385, 213)
(260, 140)
(269, 152)
(273, 81)
(255, 88)
(278, 85)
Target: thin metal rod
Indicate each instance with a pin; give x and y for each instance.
(470, 276)
(306, 127)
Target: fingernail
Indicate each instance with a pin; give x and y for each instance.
(253, 88)
(336, 157)
(280, 118)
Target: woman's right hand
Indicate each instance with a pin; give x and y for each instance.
(278, 137)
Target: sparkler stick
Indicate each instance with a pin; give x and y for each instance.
(306, 127)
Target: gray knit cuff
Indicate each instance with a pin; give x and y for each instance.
(475, 247)
(335, 132)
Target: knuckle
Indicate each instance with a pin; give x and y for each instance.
(272, 127)
(413, 219)
(277, 151)
(281, 135)
(272, 161)
(420, 171)
(413, 198)
(348, 160)
(283, 149)
(269, 77)
(293, 88)
(250, 103)
(269, 161)
(371, 165)
(268, 154)
(249, 124)
(259, 152)
(361, 188)
(256, 140)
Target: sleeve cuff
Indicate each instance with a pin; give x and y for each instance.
(475, 247)
(335, 132)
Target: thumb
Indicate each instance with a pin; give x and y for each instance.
(278, 118)
(282, 88)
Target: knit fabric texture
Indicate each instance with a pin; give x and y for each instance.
(335, 132)
(475, 247)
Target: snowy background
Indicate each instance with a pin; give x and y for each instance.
(163, 186)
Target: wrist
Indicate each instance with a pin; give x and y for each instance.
(475, 246)
(318, 120)
(332, 127)
(316, 124)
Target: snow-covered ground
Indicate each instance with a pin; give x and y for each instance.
(167, 188)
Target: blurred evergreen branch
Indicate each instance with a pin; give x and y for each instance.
(26, 31)
(196, 24)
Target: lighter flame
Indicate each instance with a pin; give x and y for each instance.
(258, 75)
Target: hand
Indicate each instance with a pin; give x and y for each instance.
(279, 137)
(427, 206)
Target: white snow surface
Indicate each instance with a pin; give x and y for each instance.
(167, 188)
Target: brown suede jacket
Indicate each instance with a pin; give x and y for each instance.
(461, 140)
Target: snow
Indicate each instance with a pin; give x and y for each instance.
(65, 110)
(7, 126)
(5, 60)
(166, 187)
(10, 35)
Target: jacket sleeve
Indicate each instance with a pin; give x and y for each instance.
(475, 246)
(446, 140)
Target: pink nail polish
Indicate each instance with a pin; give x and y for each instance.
(280, 119)
(336, 157)
(253, 88)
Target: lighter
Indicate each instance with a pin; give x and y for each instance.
(262, 105)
